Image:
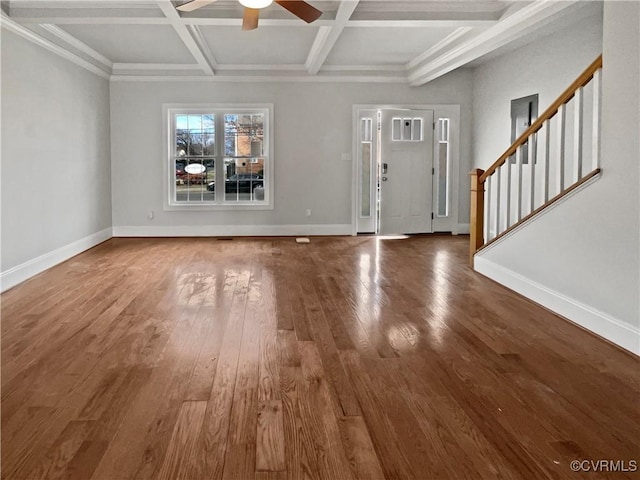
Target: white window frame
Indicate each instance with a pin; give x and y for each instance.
(169, 112)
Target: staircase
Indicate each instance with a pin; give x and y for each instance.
(563, 153)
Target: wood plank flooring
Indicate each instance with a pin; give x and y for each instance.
(346, 358)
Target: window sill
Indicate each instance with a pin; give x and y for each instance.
(212, 207)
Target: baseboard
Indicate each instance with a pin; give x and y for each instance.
(231, 230)
(462, 229)
(614, 330)
(18, 274)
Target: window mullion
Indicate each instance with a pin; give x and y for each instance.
(219, 160)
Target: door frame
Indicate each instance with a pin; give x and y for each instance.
(440, 224)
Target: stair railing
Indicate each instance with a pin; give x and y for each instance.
(552, 167)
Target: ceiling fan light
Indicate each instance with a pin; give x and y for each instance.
(256, 3)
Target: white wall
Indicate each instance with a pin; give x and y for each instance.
(56, 193)
(581, 258)
(313, 124)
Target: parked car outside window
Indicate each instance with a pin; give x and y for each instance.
(240, 183)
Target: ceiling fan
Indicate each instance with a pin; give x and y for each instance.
(299, 8)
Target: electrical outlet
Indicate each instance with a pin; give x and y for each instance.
(150, 215)
(308, 213)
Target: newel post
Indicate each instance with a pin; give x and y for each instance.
(477, 213)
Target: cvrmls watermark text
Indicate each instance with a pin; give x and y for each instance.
(604, 465)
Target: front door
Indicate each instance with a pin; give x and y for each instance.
(406, 185)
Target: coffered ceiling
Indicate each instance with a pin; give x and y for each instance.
(408, 41)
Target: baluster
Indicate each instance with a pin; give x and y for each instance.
(562, 116)
(577, 134)
(498, 175)
(595, 134)
(508, 192)
(519, 183)
(545, 161)
(487, 205)
(533, 153)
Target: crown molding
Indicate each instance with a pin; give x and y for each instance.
(262, 78)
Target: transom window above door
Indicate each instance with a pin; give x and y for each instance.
(219, 157)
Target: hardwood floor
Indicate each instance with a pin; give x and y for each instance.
(347, 358)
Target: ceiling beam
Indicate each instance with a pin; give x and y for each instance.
(479, 17)
(185, 35)
(327, 37)
(516, 25)
(438, 47)
(262, 68)
(431, 23)
(11, 26)
(124, 67)
(81, 13)
(202, 45)
(77, 44)
(91, 20)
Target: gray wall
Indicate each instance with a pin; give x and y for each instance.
(546, 67)
(313, 125)
(55, 152)
(586, 251)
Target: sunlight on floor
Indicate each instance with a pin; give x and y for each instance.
(392, 237)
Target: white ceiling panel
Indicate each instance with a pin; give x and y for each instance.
(133, 43)
(383, 46)
(264, 46)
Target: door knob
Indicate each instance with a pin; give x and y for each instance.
(384, 179)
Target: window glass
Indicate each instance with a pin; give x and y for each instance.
(243, 135)
(442, 163)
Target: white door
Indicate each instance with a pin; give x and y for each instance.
(406, 184)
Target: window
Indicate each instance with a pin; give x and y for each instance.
(219, 157)
(366, 141)
(442, 166)
(406, 129)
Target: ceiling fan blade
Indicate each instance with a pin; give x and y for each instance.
(250, 18)
(301, 9)
(193, 5)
